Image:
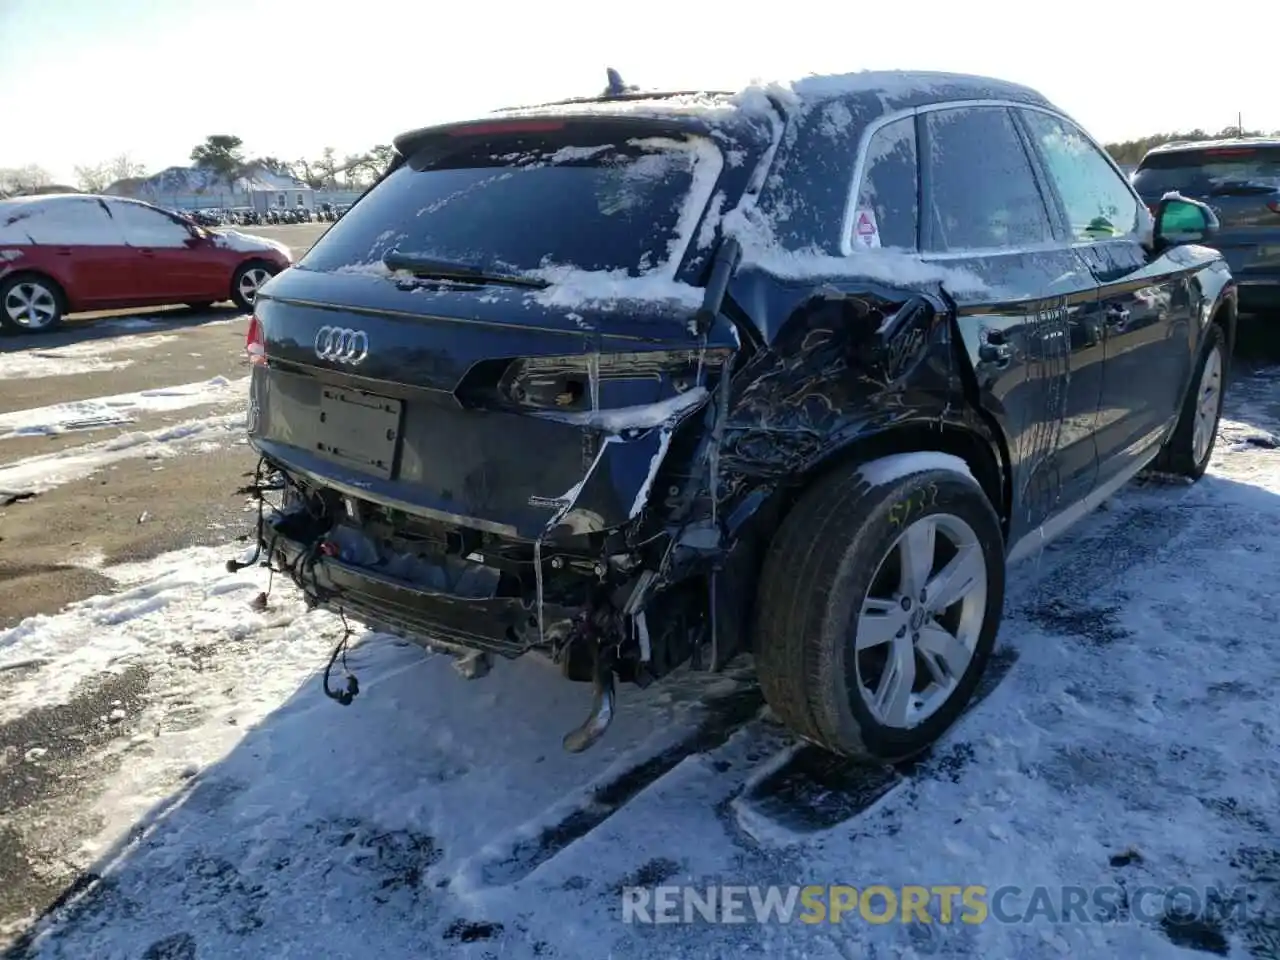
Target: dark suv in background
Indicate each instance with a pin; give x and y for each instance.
(647, 379)
(1240, 180)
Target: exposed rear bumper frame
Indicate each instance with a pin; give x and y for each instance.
(504, 626)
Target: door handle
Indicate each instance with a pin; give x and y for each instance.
(64, 251)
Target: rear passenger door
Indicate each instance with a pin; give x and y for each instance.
(1027, 328)
(85, 250)
(1144, 303)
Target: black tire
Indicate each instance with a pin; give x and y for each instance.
(237, 281)
(48, 293)
(1179, 456)
(816, 575)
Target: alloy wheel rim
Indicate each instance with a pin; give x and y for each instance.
(1207, 402)
(251, 282)
(31, 305)
(919, 623)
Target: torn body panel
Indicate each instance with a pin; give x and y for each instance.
(845, 365)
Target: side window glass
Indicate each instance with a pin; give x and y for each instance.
(983, 192)
(1098, 203)
(887, 207)
(71, 223)
(145, 227)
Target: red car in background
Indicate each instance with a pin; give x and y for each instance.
(71, 252)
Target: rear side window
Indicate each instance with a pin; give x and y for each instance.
(888, 192)
(1217, 170)
(984, 195)
(64, 222)
(1095, 197)
(520, 204)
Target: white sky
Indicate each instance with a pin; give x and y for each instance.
(95, 78)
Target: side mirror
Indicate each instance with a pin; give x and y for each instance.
(1180, 220)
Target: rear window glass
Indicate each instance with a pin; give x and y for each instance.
(513, 205)
(1200, 171)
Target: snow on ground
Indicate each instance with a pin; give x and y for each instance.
(120, 409)
(153, 320)
(1129, 741)
(91, 356)
(40, 473)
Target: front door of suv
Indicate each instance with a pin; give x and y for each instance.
(1030, 330)
(1144, 302)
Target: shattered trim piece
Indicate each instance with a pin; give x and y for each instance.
(634, 418)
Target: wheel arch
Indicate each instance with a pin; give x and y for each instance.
(43, 275)
(979, 446)
(59, 288)
(255, 260)
(252, 260)
(1225, 314)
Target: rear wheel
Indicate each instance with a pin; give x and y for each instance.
(30, 304)
(1190, 448)
(878, 610)
(248, 279)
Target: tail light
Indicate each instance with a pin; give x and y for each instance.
(1274, 206)
(565, 383)
(255, 344)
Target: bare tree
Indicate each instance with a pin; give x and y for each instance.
(100, 176)
(94, 179)
(364, 168)
(124, 167)
(327, 168)
(380, 156)
(308, 173)
(274, 165)
(15, 181)
(355, 170)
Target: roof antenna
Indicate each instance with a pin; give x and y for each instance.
(616, 86)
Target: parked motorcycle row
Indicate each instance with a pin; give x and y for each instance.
(244, 216)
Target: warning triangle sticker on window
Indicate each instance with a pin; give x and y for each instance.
(865, 231)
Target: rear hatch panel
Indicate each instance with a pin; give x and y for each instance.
(503, 408)
(425, 424)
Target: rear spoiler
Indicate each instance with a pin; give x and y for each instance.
(408, 143)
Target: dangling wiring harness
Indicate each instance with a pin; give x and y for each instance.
(268, 479)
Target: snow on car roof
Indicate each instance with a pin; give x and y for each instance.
(39, 198)
(766, 96)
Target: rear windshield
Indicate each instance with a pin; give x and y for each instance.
(1200, 171)
(520, 204)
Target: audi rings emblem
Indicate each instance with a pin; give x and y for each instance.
(342, 345)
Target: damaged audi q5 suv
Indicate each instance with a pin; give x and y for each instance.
(648, 380)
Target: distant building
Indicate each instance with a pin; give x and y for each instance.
(263, 198)
(194, 188)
